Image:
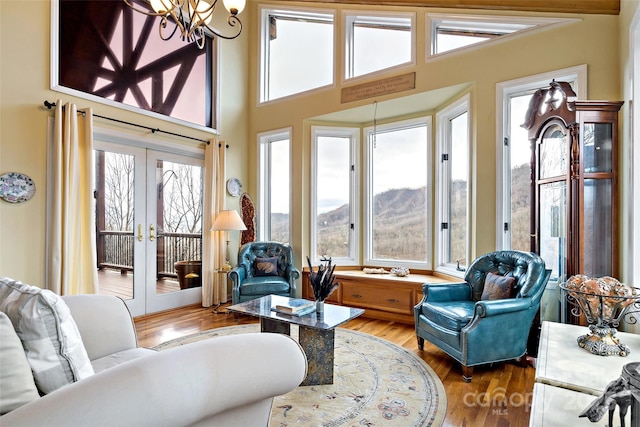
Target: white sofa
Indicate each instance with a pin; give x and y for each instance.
(224, 381)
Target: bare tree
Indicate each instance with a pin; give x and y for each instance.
(118, 193)
(181, 192)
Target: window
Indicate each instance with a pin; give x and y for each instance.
(513, 225)
(451, 32)
(274, 220)
(397, 189)
(453, 187)
(296, 52)
(122, 61)
(334, 194)
(375, 43)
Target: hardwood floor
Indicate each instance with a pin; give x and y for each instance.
(120, 284)
(499, 395)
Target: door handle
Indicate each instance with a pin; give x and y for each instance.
(152, 232)
(140, 235)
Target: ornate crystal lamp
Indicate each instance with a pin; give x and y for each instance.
(193, 18)
(228, 220)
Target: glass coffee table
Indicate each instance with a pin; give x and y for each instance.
(316, 331)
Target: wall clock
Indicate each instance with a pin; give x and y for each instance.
(234, 187)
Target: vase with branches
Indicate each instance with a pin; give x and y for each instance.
(322, 281)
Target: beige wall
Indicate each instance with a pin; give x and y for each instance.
(593, 41)
(24, 85)
(628, 10)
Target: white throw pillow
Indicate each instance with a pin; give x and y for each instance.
(49, 334)
(16, 380)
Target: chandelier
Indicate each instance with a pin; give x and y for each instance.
(193, 18)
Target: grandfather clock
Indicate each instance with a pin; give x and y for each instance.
(574, 183)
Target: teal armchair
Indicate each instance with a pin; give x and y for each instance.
(478, 326)
(264, 268)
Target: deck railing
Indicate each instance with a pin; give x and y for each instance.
(115, 250)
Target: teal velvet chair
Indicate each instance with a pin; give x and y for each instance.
(264, 268)
(478, 327)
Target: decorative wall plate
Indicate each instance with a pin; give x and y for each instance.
(234, 187)
(16, 187)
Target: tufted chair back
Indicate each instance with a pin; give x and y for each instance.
(528, 269)
(250, 251)
(475, 331)
(246, 285)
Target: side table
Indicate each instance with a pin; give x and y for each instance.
(569, 378)
(562, 363)
(316, 331)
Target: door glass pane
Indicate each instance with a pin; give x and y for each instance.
(597, 147)
(553, 152)
(179, 226)
(520, 150)
(114, 208)
(597, 227)
(332, 186)
(553, 220)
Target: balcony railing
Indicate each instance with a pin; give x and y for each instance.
(115, 250)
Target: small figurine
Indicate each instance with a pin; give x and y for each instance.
(617, 393)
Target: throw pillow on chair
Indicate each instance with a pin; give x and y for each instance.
(497, 287)
(266, 266)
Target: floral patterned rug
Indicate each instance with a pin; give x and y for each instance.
(376, 383)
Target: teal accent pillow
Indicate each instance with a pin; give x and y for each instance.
(265, 266)
(497, 287)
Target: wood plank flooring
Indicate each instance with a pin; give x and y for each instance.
(499, 395)
(120, 284)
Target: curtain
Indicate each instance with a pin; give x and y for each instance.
(214, 284)
(72, 264)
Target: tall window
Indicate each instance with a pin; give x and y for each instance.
(397, 217)
(296, 52)
(451, 32)
(274, 222)
(334, 194)
(514, 154)
(453, 186)
(375, 42)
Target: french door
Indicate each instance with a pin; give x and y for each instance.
(148, 207)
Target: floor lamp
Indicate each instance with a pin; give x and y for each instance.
(226, 221)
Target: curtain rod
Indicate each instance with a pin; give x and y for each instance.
(50, 105)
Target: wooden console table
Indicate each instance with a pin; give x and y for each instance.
(383, 296)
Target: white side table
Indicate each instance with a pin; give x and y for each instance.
(562, 363)
(558, 407)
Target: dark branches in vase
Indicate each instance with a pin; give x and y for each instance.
(322, 281)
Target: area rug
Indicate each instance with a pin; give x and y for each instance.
(376, 383)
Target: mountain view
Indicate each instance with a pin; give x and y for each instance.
(400, 222)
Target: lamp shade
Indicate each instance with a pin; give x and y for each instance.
(228, 220)
(234, 6)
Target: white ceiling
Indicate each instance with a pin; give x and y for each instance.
(411, 104)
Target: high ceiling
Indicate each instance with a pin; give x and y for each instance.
(430, 100)
(605, 7)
